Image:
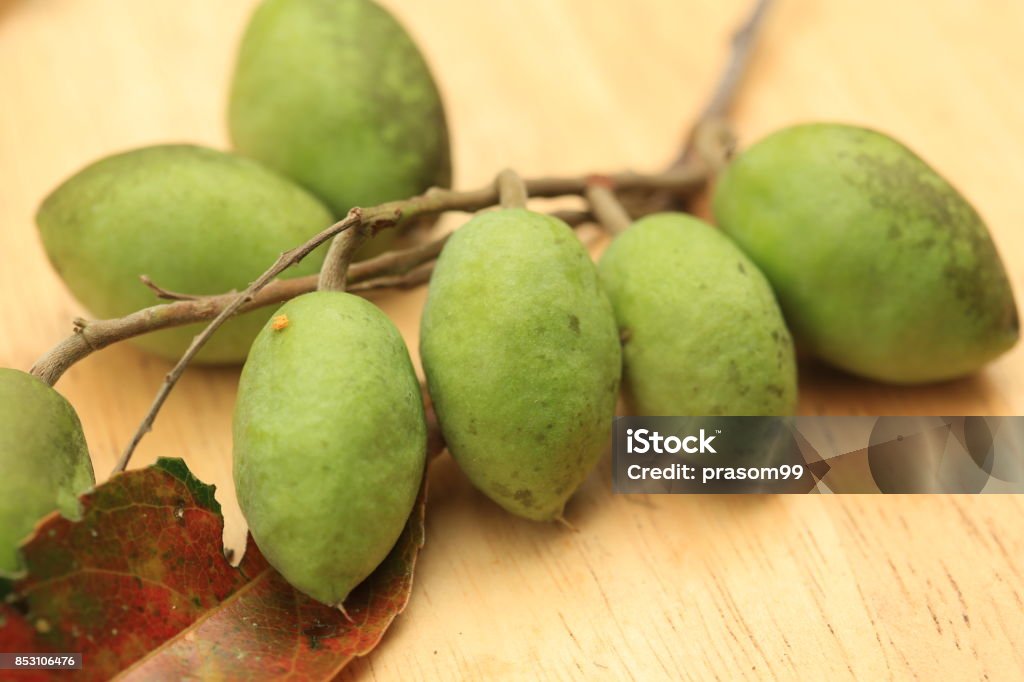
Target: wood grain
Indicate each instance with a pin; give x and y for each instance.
(691, 587)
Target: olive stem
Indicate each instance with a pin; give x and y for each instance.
(334, 271)
(607, 208)
(511, 189)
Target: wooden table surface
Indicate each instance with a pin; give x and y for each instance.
(688, 586)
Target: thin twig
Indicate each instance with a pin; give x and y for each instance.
(743, 41)
(166, 294)
(411, 279)
(712, 125)
(92, 335)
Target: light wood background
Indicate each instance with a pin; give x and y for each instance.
(695, 587)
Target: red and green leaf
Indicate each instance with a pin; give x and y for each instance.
(141, 579)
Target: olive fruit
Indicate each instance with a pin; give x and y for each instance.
(194, 220)
(329, 441)
(522, 358)
(43, 457)
(702, 332)
(881, 267)
(335, 94)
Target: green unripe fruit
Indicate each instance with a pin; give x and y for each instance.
(335, 94)
(881, 267)
(44, 461)
(522, 359)
(330, 441)
(703, 332)
(194, 220)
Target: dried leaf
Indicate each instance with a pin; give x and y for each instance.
(141, 579)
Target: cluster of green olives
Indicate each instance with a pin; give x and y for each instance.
(837, 234)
